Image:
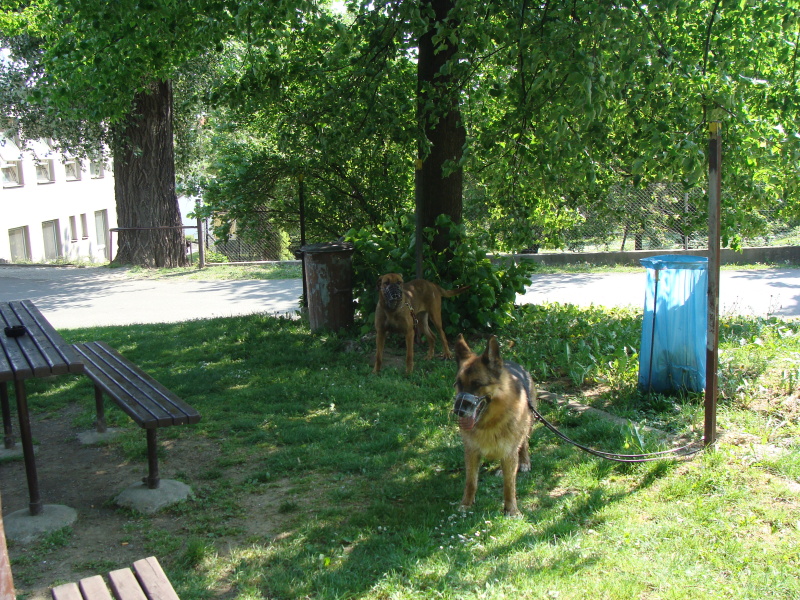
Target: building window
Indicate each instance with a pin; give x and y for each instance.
(52, 243)
(73, 229)
(96, 169)
(12, 173)
(84, 227)
(44, 171)
(101, 231)
(72, 166)
(10, 162)
(20, 244)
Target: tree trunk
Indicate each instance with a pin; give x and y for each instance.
(440, 123)
(144, 183)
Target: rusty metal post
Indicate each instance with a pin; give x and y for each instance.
(302, 193)
(712, 337)
(100, 423)
(152, 480)
(418, 217)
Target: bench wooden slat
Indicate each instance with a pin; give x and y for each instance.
(67, 591)
(143, 398)
(14, 357)
(125, 586)
(94, 588)
(50, 342)
(153, 580)
(149, 583)
(38, 353)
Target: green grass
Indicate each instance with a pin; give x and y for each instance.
(366, 471)
(294, 271)
(222, 271)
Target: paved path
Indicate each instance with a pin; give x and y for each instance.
(95, 296)
(759, 292)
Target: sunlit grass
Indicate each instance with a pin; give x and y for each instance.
(365, 472)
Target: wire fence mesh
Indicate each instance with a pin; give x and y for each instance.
(657, 217)
(667, 217)
(257, 242)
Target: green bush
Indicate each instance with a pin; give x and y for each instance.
(487, 305)
(213, 256)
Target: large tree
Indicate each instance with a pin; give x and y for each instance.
(112, 63)
(561, 100)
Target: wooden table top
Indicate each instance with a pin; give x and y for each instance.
(39, 351)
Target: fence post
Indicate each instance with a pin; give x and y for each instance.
(301, 190)
(712, 338)
(201, 245)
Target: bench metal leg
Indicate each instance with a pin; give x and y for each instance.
(152, 478)
(35, 503)
(8, 432)
(100, 424)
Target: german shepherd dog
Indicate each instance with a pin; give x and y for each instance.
(493, 403)
(408, 308)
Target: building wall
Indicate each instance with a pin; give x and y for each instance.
(60, 218)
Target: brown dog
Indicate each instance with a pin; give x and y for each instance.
(493, 401)
(406, 307)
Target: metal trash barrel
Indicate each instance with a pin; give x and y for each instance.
(672, 356)
(329, 284)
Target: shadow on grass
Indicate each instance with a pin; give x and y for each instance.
(282, 404)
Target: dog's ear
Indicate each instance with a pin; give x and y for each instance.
(462, 350)
(491, 356)
(380, 281)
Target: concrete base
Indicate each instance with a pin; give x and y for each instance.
(90, 437)
(789, 255)
(22, 527)
(144, 500)
(13, 453)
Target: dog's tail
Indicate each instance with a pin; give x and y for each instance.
(455, 292)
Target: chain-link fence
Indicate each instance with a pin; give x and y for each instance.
(657, 217)
(665, 216)
(254, 243)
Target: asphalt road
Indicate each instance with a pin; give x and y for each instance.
(767, 292)
(91, 296)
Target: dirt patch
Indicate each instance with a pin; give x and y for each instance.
(87, 479)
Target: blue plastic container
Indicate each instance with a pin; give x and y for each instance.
(672, 356)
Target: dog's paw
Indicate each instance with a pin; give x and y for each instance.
(524, 468)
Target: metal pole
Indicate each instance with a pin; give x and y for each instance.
(201, 245)
(418, 215)
(302, 193)
(712, 337)
(35, 500)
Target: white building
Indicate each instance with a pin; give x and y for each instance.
(53, 207)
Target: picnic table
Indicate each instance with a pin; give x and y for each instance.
(30, 348)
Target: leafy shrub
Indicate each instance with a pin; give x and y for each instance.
(489, 302)
(213, 256)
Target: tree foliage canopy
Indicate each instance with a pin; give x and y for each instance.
(561, 100)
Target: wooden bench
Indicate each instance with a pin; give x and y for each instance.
(142, 398)
(147, 581)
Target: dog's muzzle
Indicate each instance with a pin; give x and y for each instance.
(468, 409)
(392, 294)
